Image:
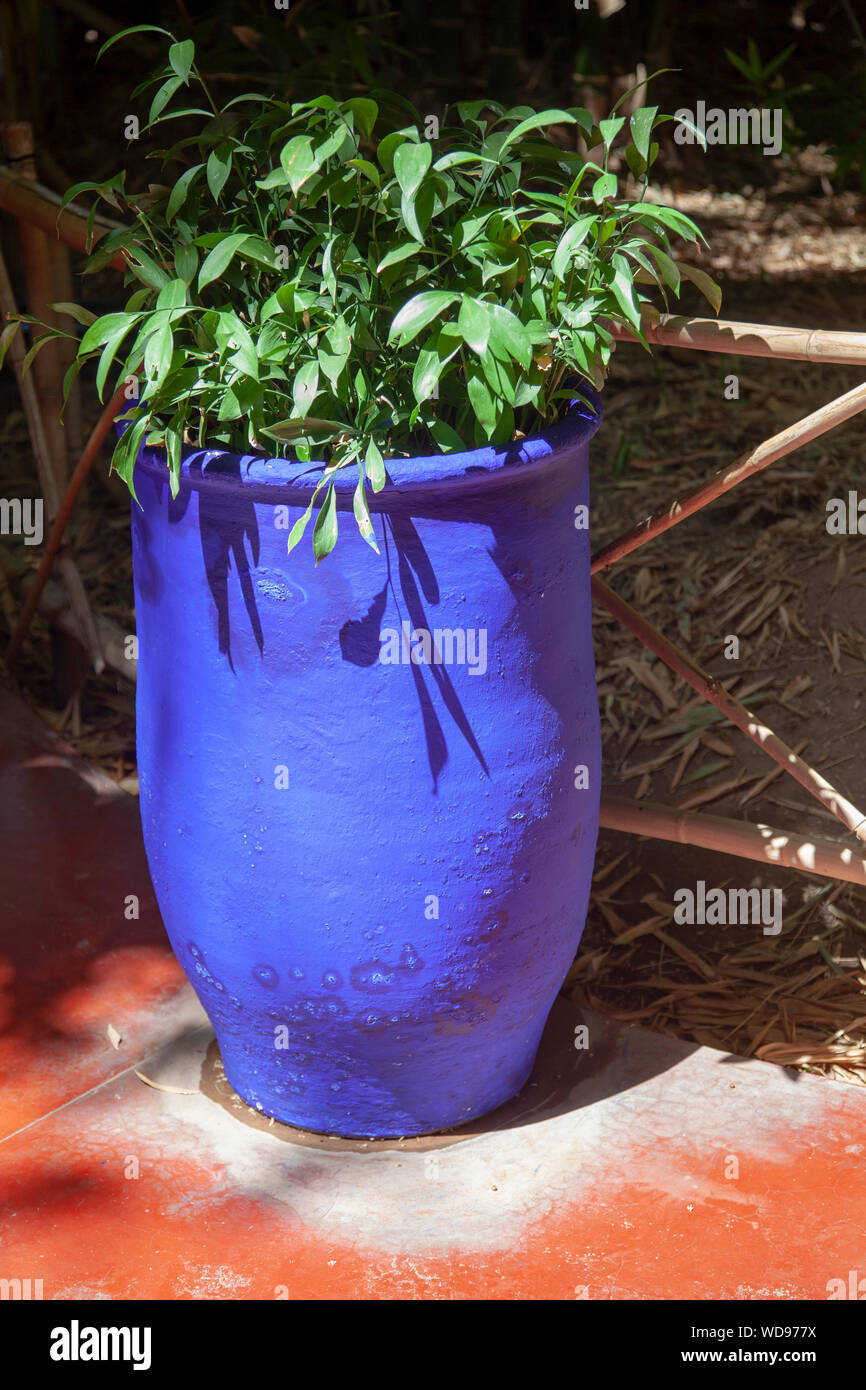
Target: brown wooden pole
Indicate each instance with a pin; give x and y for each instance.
(41, 207)
(753, 340)
(39, 278)
(64, 293)
(714, 691)
(76, 482)
(47, 478)
(801, 432)
(758, 842)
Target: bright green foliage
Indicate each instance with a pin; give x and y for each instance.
(320, 277)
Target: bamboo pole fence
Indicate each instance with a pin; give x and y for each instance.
(724, 834)
(752, 340)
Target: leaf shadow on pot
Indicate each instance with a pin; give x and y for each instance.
(226, 521)
(360, 639)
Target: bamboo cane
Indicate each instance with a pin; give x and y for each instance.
(64, 293)
(55, 539)
(759, 842)
(753, 339)
(801, 432)
(48, 481)
(41, 207)
(714, 691)
(41, 292)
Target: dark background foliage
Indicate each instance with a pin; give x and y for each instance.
(512, 50)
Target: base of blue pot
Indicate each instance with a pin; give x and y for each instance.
(308, 1117)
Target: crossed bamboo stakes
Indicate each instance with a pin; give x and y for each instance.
(759, 842)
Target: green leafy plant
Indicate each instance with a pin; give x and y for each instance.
(752, 67)
(321, 275)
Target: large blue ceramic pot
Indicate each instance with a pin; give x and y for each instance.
(370, 788)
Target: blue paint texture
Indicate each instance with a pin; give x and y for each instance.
(374, 874)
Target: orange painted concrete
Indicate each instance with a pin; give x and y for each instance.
(643, 1168)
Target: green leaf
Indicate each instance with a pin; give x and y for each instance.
(573, 237)
(305, 387)
(420, 310)
(162, 97)
(362, 511)
(668, 267)
(501, 378)
(411, 163)
(300, 525)
(635, 161)
(688, 124)
(365, 112)
(219, 166)
(707, 286)
(145, 268)
(126, 450)
(298, 161)
(641, 126)
(186, 263)
(325, 529)
(482, 404)
(610, 129)
(375, 466)
(333, 353)
(397, 254)
(366, 168)
(178, 194)
(136, 29)
(454, 158)
(36, 345)
(509, 334)
(104, 328)
(6, 337)
(232, 335)
(604, 187)
(432, 360)
(386, 148)
(157, 353)
(474, 324)
(448, 439)
(181, 56)
(623, 289)
(218, 259)
(416, 212)
(277, 178)
(668, 217)
(172, 295)
(255, 248)
(310, 426)
(554, 116)
(75, 311)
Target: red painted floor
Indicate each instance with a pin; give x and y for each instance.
(641, 1168)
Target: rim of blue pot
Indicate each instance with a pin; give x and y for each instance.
(492, 462)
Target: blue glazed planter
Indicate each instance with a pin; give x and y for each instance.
(363, 793)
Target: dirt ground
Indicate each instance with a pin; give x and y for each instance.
(759, 563)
